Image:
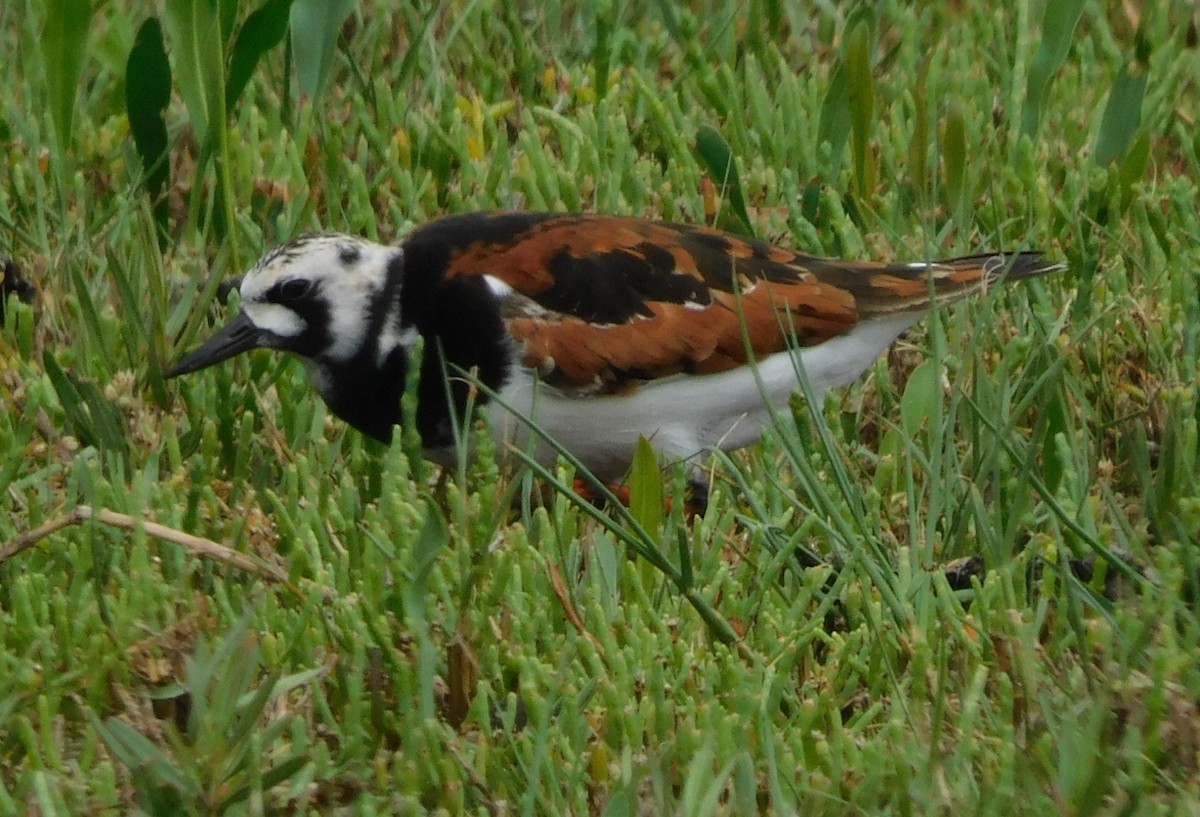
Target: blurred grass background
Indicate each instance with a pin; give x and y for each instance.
(373, 640)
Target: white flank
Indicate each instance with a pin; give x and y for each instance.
(685, 415)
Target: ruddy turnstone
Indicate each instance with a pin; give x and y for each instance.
(599, 328)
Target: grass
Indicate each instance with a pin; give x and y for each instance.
(322, 626)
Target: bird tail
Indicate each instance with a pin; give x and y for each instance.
(915, 287)
(990, 268)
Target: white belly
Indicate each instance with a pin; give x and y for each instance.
(683, 416)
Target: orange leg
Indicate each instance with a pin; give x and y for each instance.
(695, 500)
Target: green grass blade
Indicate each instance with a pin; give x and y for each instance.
(140, 755)
(316, 25)
(1123, 111)
(193, 30)
(147, 94)
(1058, 28)
(1133, 169)
(954, 164)
(63, 48)
(718, 158)
(264, 29)
(90, 416)
(606, 13)
(834, 122)
(646, 488)
(922, 398)
(860, 92)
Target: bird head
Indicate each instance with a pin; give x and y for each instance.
(326, 297)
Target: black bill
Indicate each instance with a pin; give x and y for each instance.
(239, 335)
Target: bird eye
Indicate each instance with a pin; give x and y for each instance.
(294, 290)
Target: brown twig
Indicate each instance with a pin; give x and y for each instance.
(30, 538)
(564, 598)
(197, 545)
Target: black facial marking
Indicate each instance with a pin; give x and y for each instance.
(291, 291)
(302, 297)
(226, 287)
(349, 254)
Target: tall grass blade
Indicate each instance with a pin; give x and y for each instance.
(602, 52)
(147, 95)
(718, 159)
(193, 29)
(198, 33)
(1058, 27)
(141, 335)
(918, 147)
(646, 488)
(141, 756)
(264, 29)
(922, 398)
(833, 126)
(1133, 169)
(860, 94)
(954, 164)
(1123, 111)
(431, 541)
(90, 416)
(63, 48)
(316, 25)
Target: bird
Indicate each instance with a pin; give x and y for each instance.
(600, 329)
(11, 283)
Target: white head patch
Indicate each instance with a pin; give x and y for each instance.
(275, 318)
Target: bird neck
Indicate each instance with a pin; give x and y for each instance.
(364, 391)
(466, 347)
